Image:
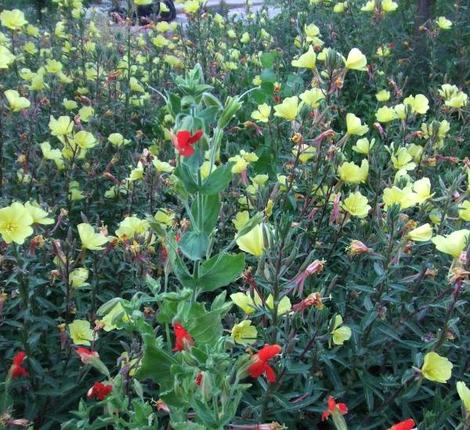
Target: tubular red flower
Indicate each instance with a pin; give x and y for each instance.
(408, 424)
(86, 355)
(17, 370)
(182, 338)
(259, 362)
(332, 407)
(184, 141)
(99, 391)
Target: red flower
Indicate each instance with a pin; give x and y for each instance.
(86, 355)
(99, 391)
(184, 141)
(16, 369)
(260, 366)
(408, 424)
(183, 339)
(198, 378)
(332, 407)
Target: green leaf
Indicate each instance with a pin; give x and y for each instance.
(183, 173)
(194, 244)
(218, 180)
(267, 59)
(210, 210)
(267, 75)
(156, 365)
(220, 270)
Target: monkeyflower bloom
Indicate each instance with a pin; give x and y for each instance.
(436, 368)
(260, 362)
(99, 391)
(17, 370)
(86, 355)
(336, 411)
(408, 424)
(184, 142)
(183, 339)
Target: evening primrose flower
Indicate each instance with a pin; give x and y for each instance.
(418, 104)
(386, 114)
(91, 240)
(312, 97)
(354, 125)
(436, 368)
(389, 5)
(422, 189)
(402, 160)
(283, 306)
(356, 205)
(340, 7)
(356, 60)
(443, 23)
(307, 60)
(464, 394)
(340, 333)
(13, 19)
(244, 333)
(164, 217)
(363, 146)
(132, 226)
(6, 57)
(117, 140)
(253, 241)
(81, 332)
(137, 173)
(452, 244)
(246, 302)
(78, 277)
(240, 220)
(15, 223)
(464, 210)
(382, 95)
(422, 233)
(162, 166)
(288, 109)
(369, 6)
(84, 140)
(38, 214)
(353, 174)
(311, 34)
(15, 101)
(61, 126)
(262, 113)
(52, 154)
(405, 198)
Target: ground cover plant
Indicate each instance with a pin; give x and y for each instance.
(243, 222)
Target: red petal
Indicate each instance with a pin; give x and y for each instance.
(342, 407)
(195, 137)
(331, 403)
(325, 415)
(19, 358)
(183, 137)
(270, 374)
(404, 425)
(257, 368)
(268, 351)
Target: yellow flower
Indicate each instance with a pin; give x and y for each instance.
(81, 332)
(356, 205)
(464, 394)
(453, 244)
(84, 140)
(312, 97)
(253, 241)
(422, 233)
(307, 60)
(6, 57)
(400, 111)
(15, 223)
(356, 60)
(353, 174)
(369, 6)
(262, 113)
(61, 126)
(283, 306)
(340, 333)
(78, 277)
(363, 146)
(436, 368)
(418, 104)
(114, 316)
(464, 210)
(142, 2)
(16, 102)
(191, 6)
(138, 173)
(85, 113)
(443, 23)
(240, 220)
(244, 333)
(13, 19)
(340, 7)
(38, 215)
(52, 154)
(117, 140)
(354, 125)
(132, 226)
(405, 197)
(386, 114)
(245, 302)
(91, 240)
(288, 109)
(402, 160)
(389, 5)
(422, 188)
(164, 217)
(382, 95)
(162, 166)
